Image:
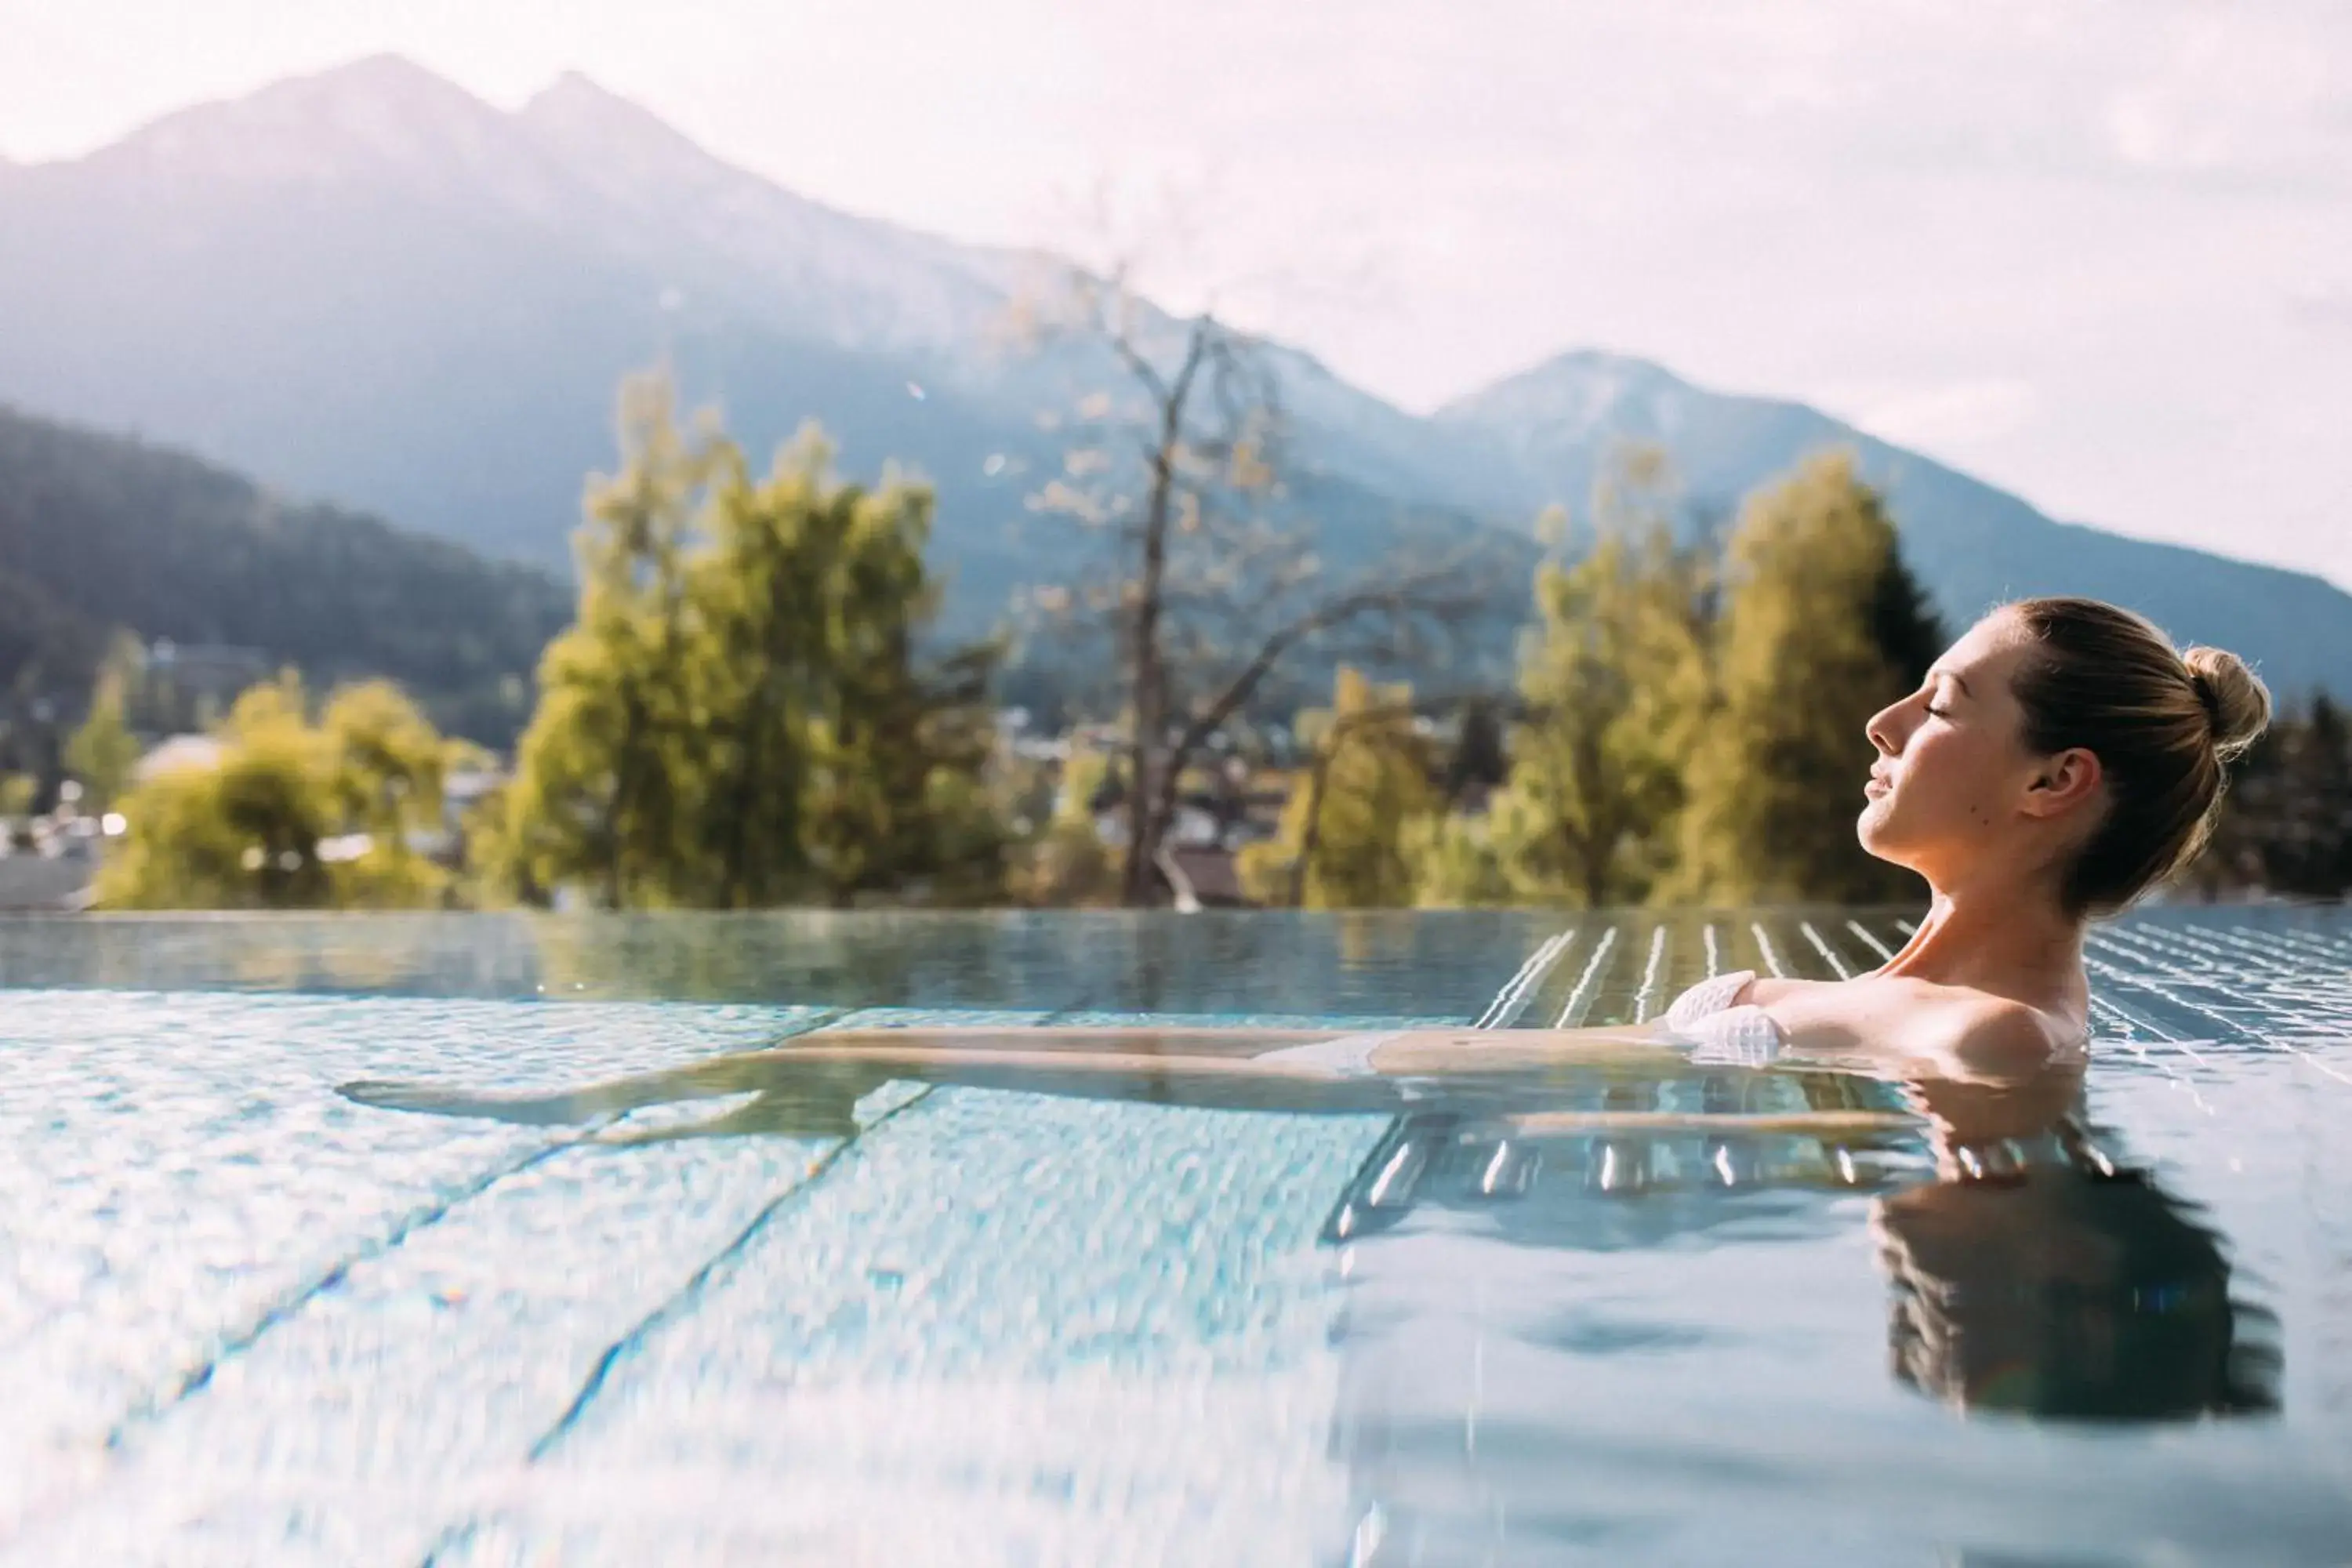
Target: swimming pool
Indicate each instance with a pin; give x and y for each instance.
(243, 1319)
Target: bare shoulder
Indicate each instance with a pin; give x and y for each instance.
(1992, 1037)
(1963, 1031)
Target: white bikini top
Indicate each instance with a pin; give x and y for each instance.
(1719, 1033)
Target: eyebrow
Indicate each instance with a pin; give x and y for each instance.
(1955, 680)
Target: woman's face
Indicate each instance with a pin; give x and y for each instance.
(1953, 785)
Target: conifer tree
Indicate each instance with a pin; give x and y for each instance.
(1904, 624)
(1480, 757)
(2286, 826)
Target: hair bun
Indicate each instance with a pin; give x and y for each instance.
(2235, 698)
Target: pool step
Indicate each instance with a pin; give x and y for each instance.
(1608, 968)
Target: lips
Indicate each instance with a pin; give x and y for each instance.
(1877, 785)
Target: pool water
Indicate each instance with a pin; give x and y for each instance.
(246, 1320)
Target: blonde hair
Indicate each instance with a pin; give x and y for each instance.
(2164, 725)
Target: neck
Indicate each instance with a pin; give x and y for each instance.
(2010, 937)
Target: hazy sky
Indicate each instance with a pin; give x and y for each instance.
(2098, 252)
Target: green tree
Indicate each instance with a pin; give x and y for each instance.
(1480, 756)
(1613, 688)
(1910, 636)
(389, 759)
(846, 763)
(1802, 662)
(287, 815)
(2286, 818)
(1454, 862)
(1341, 844)
(387, 764)
(602, 789)
(766, 630)
(1067, 862)
(743, 714)
(2310, 828)
(103, 751)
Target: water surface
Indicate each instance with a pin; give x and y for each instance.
(244, 1320)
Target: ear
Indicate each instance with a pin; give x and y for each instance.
(2063, 782)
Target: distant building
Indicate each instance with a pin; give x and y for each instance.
(43, 882)
(1193, 826)
(176, 753)
(461, 791)
(1209, 874)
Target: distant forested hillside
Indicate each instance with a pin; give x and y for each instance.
(100, 533)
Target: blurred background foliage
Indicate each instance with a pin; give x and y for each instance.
(751, 708)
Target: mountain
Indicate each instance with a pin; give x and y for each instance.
(1550, 428)
(370, 286)
(99, 533)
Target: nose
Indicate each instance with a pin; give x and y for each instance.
(1886, 728)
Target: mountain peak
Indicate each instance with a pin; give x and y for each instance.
(581, 119)
(1591, 367)
(364, 96)
(384, 77)
(1582, 389)
(383, 112)
(576, 96)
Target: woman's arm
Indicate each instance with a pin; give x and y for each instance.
(1233, 1068)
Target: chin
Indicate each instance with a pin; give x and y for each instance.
(1870, 832)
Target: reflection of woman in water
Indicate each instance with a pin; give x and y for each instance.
(2058, 761)
(2033, 1272)
(2037, 1276)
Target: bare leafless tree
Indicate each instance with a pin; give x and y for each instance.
(1178, 459)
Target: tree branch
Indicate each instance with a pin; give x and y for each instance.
(1395, 597)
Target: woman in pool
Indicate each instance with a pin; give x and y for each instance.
(2058, 761)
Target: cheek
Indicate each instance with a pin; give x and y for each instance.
(1950, 781)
